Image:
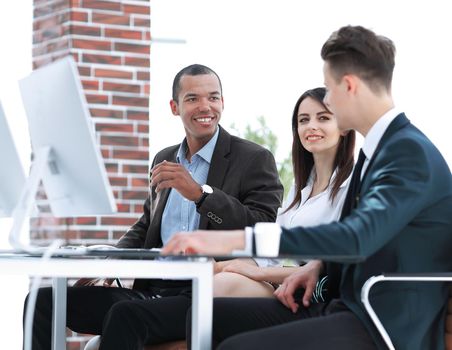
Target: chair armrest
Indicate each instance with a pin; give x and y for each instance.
(365, 290)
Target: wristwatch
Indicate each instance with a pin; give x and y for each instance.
(206, 190)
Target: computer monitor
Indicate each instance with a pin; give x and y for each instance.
(12, 176)
(65, 155)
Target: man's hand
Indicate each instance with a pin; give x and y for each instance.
(173, 175)
(84, 282)
(205, 242)
(306, 276)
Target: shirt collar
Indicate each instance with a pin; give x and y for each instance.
(376, 132)
(205, 153)
(306, 191)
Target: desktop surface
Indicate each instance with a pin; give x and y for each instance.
(142, 253)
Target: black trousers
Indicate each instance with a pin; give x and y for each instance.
(265, 323)
(126, 318)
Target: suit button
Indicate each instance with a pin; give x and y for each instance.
(214, 217)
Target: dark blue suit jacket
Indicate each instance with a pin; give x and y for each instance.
(402, 224)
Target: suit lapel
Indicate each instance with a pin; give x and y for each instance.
(219, 163)
(157, 208)
(218, 166)
(337, 271)
(399, 122)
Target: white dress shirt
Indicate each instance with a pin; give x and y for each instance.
(375, 134)
(319, 209)
(311, 211)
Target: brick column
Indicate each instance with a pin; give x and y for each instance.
(110, 40)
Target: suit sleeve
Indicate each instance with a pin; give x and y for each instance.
(135, 236)
(258, 199)
(404, 180)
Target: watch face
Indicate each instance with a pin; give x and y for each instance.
(206, 189)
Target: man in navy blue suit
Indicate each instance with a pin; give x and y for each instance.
(397, 218)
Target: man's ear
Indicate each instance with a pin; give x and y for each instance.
(351, 83)
(174, 107)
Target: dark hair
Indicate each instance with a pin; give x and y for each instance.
(194, 69)
(303, 161)
(357, 50)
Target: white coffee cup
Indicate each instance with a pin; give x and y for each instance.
(267, 236)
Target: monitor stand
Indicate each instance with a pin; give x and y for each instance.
(25, 205)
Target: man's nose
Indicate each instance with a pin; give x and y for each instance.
(204, 104)
(326, 100)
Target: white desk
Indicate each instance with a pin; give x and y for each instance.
(200, 271)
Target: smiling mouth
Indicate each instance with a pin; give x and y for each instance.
(205, 119)
(314, 138)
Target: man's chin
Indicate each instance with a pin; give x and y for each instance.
(206, 132)
(344, 129)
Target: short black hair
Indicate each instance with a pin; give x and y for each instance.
(358, 50)
(194, 69)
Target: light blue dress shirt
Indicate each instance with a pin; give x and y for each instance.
(180, 213)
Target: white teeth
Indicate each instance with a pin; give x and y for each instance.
(204, 120)
(314, 137)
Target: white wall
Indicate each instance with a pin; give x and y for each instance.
(15, 63)
(267, 53)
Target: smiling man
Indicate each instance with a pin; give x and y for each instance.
(212, 180)
(396, 219)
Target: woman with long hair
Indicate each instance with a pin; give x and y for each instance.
(322, 158)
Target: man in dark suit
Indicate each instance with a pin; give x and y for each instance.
(212, 180)
(396, 219)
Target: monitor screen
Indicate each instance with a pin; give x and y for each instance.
(12, 177)
(74, 178)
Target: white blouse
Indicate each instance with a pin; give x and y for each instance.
(310, 211)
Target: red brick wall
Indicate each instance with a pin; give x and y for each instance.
(110, 40)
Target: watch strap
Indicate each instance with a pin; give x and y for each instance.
(201, 199)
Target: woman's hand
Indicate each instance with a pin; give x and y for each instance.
(245, 267)
(306, 277)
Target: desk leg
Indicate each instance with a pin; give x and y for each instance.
(59, 313)
(201, 332)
